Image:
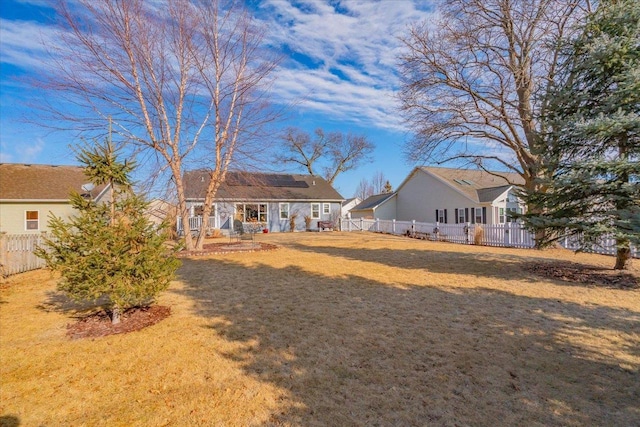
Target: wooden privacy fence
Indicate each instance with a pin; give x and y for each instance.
(510, 234)
(17, 253)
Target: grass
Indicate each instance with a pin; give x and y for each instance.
(336, 329)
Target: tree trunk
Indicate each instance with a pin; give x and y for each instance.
(623, 254)
(115, 315)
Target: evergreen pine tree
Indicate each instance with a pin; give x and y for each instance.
(594, 120)
(109, 250)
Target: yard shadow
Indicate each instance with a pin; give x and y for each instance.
(481, 264)
(58, 301)
(353, 351)
(9, 421)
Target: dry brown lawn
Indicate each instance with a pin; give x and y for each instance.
(336, 329)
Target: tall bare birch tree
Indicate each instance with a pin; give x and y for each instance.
(474, 81)
(184, 82)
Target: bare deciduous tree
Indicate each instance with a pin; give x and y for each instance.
(336, 151)
(300, 149)
(364, 189)
(183, 82)
(473, 83)
(378, 184)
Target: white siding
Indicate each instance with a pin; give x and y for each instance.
(422, 194)
(12, 216)
(387, 210)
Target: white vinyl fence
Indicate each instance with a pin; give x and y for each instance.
(16, 253)
(510, 234)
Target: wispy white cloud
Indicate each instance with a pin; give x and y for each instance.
(23, 152)
(24, 43)
(344, 55)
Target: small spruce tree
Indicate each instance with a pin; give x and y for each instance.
(109, 250)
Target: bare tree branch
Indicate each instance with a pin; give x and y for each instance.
(338, 152)
(185, 82)
(480, 74)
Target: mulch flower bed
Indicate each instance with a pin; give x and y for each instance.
(227, 248)
(99, 324)
(584, 274)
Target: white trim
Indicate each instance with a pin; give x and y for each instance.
(478, 211)
(280, 205)
(311, 211)
(26, 221)
(326, 208)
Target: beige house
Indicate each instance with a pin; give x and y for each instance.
(29, 193)
(454, 196)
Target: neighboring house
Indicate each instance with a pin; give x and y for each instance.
(268, 199)
(378, 206)
(452, 196)
(349, 204)
(160, 210)
(30, 193)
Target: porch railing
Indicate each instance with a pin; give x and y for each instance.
(195, 223)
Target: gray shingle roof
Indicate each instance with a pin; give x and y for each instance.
(261, 187)
(372, 201)
(41, 182)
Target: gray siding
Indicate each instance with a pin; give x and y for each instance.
(225, 212)
(422, 194)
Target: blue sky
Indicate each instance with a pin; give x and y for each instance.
(340, 71)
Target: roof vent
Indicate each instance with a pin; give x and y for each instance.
(202, 179)
(313, 182)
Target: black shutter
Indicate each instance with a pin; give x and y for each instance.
(473, 215)
(484, 215)
(466, 214)
(436, 215)
(445, 216)
(456, 215)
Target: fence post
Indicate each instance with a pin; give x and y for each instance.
(509, 229)
(3, 253)
(361, 224)
(377, 225)
(393, 226)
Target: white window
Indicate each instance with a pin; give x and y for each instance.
(315, 210)
(441, 216)
(461, 217)
(252, 212)
(501, 216)
(479, 218)
(284, 210)
(512, 210)
(326, 208)
(32, 221)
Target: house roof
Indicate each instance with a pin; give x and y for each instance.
(480, 186)
(261, 187)
(373, 202)
(29, 182)
(353, 199)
